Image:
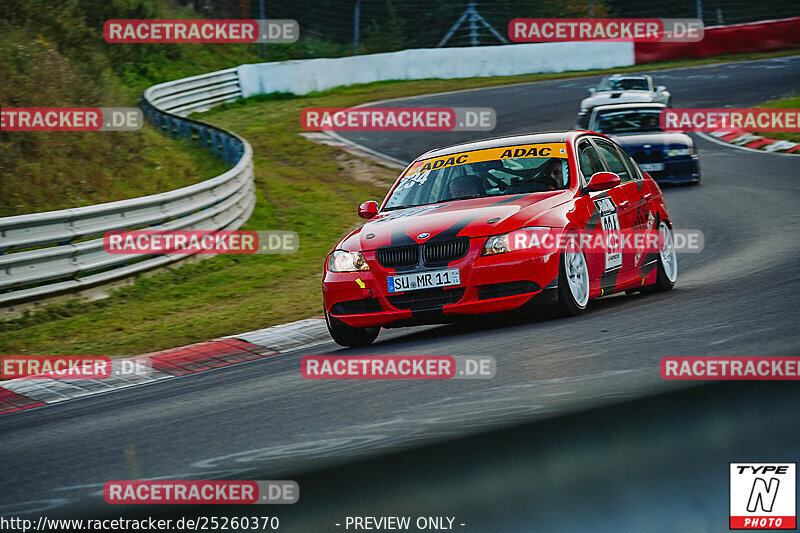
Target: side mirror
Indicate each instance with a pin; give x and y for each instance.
(661, 89)
(592, 91)
(602, 181)
(370, 209)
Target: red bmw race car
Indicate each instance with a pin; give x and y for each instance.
(445, 241)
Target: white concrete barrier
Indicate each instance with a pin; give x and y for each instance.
(309, 75)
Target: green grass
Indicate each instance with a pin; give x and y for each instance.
(42, 171)
(99, 167)
(52, 54)
(790, 102)
(301, 186)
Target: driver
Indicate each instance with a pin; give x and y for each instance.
(553, 175)
(468, 185)
(650, 122)
(617, 84)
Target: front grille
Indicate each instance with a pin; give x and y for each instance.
(444, 251)
(509, 288)
(433, 253)
(356, 307)
(656, 156)
(398, 256)
(426, 299)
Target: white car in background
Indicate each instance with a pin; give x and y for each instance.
(623, 89)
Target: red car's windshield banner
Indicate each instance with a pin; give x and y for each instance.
(491, 154)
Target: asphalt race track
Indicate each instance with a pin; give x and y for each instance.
(262, 420)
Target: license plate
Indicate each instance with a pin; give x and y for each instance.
(424, 280)
(651, 167)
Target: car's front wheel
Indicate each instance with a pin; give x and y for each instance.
(347, 335)
(573, 280)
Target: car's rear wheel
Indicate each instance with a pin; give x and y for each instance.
(347, 335)
(573, 280)
(667, 262)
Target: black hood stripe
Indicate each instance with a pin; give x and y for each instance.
(510, 199)
(399, 236)
(453, 230)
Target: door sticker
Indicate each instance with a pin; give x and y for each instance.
(609, 221)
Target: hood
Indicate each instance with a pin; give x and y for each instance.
(461, 218)
(617, 97)
(660, 139)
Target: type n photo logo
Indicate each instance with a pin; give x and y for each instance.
(763, 496)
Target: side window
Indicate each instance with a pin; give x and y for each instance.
(614, 159)
(588, 160)
(635, 170)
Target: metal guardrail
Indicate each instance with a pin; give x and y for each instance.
(55, 252)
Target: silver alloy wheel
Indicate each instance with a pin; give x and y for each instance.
(577, 276)
(667, 255)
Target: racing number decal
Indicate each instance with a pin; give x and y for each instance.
(409, 180)
(609, 221)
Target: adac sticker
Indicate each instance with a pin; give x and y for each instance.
(491, 154)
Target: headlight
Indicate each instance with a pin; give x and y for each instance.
(531, 237)
(496, 244)
(341, 261)
(678, 152)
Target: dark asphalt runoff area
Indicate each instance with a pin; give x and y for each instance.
(262, 420)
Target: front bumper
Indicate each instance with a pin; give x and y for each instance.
(489, 284)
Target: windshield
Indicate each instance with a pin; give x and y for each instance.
(624, 84)
(493, 172)
(627, 121)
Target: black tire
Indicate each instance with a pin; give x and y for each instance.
(663, 283)
(567, 304)
(349, 336)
